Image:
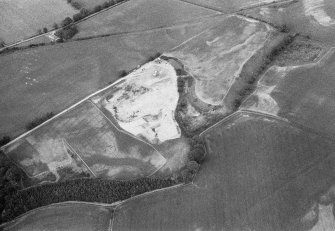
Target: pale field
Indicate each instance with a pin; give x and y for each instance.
(144, 104)
(215, 58)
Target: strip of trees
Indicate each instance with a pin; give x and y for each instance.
(12, 180)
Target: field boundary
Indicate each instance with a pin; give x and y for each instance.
(72, 149)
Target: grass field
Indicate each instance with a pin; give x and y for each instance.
(66, 216)
(302, 94)
(83, 140)
(65, 73)
(261, 174)
(20, 19)
(141, 15)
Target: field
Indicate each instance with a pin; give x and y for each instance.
(315, 18)
(20, 19)
(142, 15)
(54, 77)
(70, 216)
(302, 94)
(83, 141)
(294, 166)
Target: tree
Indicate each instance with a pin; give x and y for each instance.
(97, 8)
(2, 43)
(77, 17)
(66, 21)
(193, 167)
(84, 12)
(122, 73)
(197, 154)
(55, 26)
(4, 140)
(45, 30)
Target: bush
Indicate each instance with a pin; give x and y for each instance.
(39, 121)
(45, 30)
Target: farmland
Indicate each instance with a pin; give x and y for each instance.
(228, 192)
(70, 216)
(54, 77)
(20, 19)
(211, 115)
(302, 94)
(142, 15)
(83, 142)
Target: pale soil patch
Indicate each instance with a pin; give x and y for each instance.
(144, 104)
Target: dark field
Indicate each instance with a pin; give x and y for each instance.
(261, 173)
